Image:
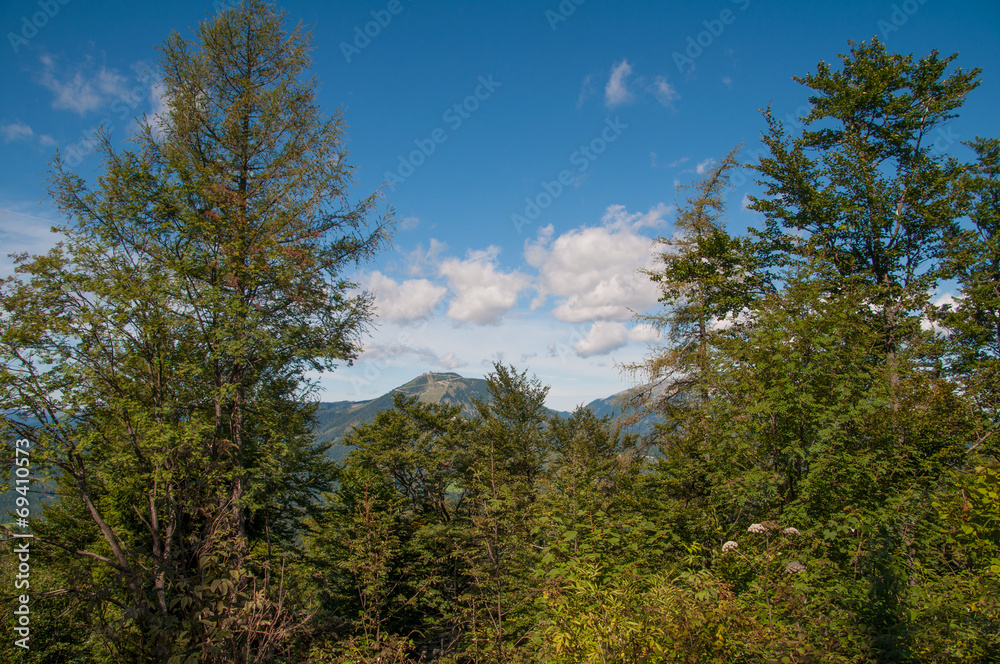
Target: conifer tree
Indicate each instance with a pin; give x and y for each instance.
(706, 279)
(162, 348)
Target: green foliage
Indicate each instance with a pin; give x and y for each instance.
(825, 403)
(826, 483)
(162, 349)
(706, 277)
(876, 198)
(590, 617)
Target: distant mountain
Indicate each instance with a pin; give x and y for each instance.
(614, 408)
(336, 419)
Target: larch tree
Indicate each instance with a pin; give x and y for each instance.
(706, 278)
(161, 350)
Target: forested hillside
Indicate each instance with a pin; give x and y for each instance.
(335, 420)
(825, 483)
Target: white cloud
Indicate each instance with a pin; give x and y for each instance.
(21, 232)
(664, 92)
(16, 131)
(594, 270)
(616, 91)
(945, 299)
(408, 301)
(409, 223)
(644, 333)
(450, 361)
(383, 354)
(82, 92)
(541, 345)
(618, 218)
(422, 261)
(159, 107)
(727, 81)
(483, 293)
(703, 166)
(603, 337)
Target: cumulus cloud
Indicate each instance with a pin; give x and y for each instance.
(404, 302)
(82, 91)
(616, 91)
(593, 271)
(483, 294)
(665, 93)
(644, 333)
(16, 131)
(451, 361)
(159, 107)
(422, 261)
(603, 337)
(22, 232)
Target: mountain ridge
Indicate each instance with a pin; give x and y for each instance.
(336, 419)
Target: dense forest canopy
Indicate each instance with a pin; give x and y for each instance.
(822, 485)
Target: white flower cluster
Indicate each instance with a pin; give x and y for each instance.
(756, 529)
(730, 546)
(790, 531)
(794, 567)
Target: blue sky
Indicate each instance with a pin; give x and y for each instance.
(531, 150)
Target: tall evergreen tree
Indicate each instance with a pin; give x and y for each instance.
(705, 279)
(163, 347)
